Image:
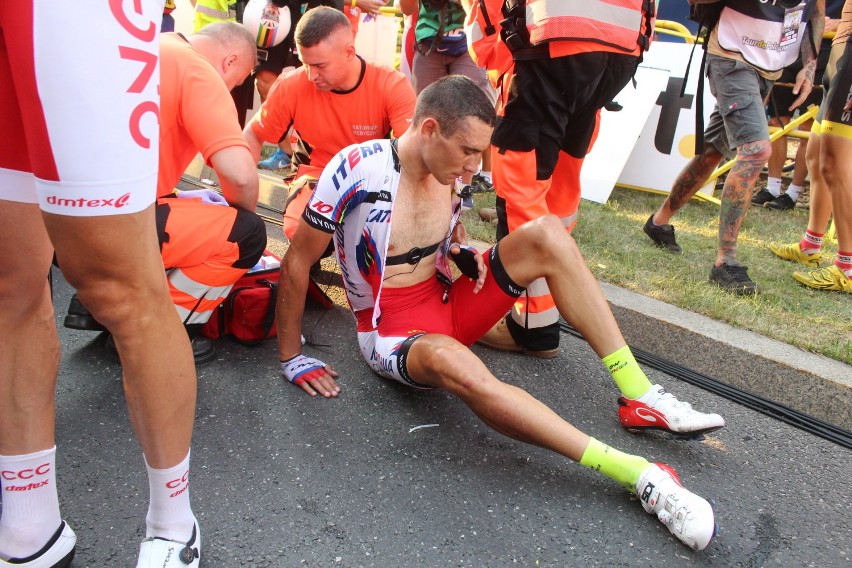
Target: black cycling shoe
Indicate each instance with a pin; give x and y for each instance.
(79, 317)
(203, 349)
(762, 197)
(782, 203)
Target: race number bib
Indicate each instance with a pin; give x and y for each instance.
(792, 25)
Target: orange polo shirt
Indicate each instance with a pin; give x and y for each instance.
(197, 113)
(328, 121)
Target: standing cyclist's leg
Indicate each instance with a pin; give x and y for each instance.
(93, 140)
(835, 153)
(29, 359)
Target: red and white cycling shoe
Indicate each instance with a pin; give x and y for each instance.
(659, 409)
(687, 516)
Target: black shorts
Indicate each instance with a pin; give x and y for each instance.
(553, 103)
(837, 121)
(275, 58)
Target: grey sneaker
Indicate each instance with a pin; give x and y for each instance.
(467, 203)
(733, 279)
(466, 195)
(662, 235)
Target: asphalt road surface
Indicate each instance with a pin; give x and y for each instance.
(391, 477)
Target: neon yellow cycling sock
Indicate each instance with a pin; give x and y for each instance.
(627, 374)
(616, 465)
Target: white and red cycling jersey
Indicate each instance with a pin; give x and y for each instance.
(79, 104)
(354, 200)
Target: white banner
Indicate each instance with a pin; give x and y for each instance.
(618, 134)
(376, 38)
(667, 140)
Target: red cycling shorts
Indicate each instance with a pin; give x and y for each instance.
(412, 312)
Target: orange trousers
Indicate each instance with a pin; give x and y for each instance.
(549, 118)
(522, 198)
(205, 249)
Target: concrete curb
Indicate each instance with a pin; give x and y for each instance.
(785, 374)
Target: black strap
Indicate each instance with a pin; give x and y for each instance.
(699, 106)
(707, 23)
(439, 35)
(490, 30)
(413, 256)
(649, 7)
(269, 317)
(699, 91)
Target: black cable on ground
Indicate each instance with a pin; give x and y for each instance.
(765, 406)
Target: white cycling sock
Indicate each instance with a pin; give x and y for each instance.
(793, 191)
(30, 503)
(773, 186)
(169, 512)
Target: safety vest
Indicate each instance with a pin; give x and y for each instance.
(768, 35)
(482, 28)
(622, 25)
(210, 11)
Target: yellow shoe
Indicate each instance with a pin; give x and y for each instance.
(793, 253)
(829, 278)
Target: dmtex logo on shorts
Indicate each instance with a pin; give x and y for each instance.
(84, 203)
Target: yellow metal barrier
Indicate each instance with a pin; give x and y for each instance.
(676, 29)
(775, 135)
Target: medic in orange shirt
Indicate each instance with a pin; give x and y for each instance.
(335, 99)
(205, 244)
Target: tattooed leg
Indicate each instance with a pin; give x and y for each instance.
(688, 182)
(736, 196)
